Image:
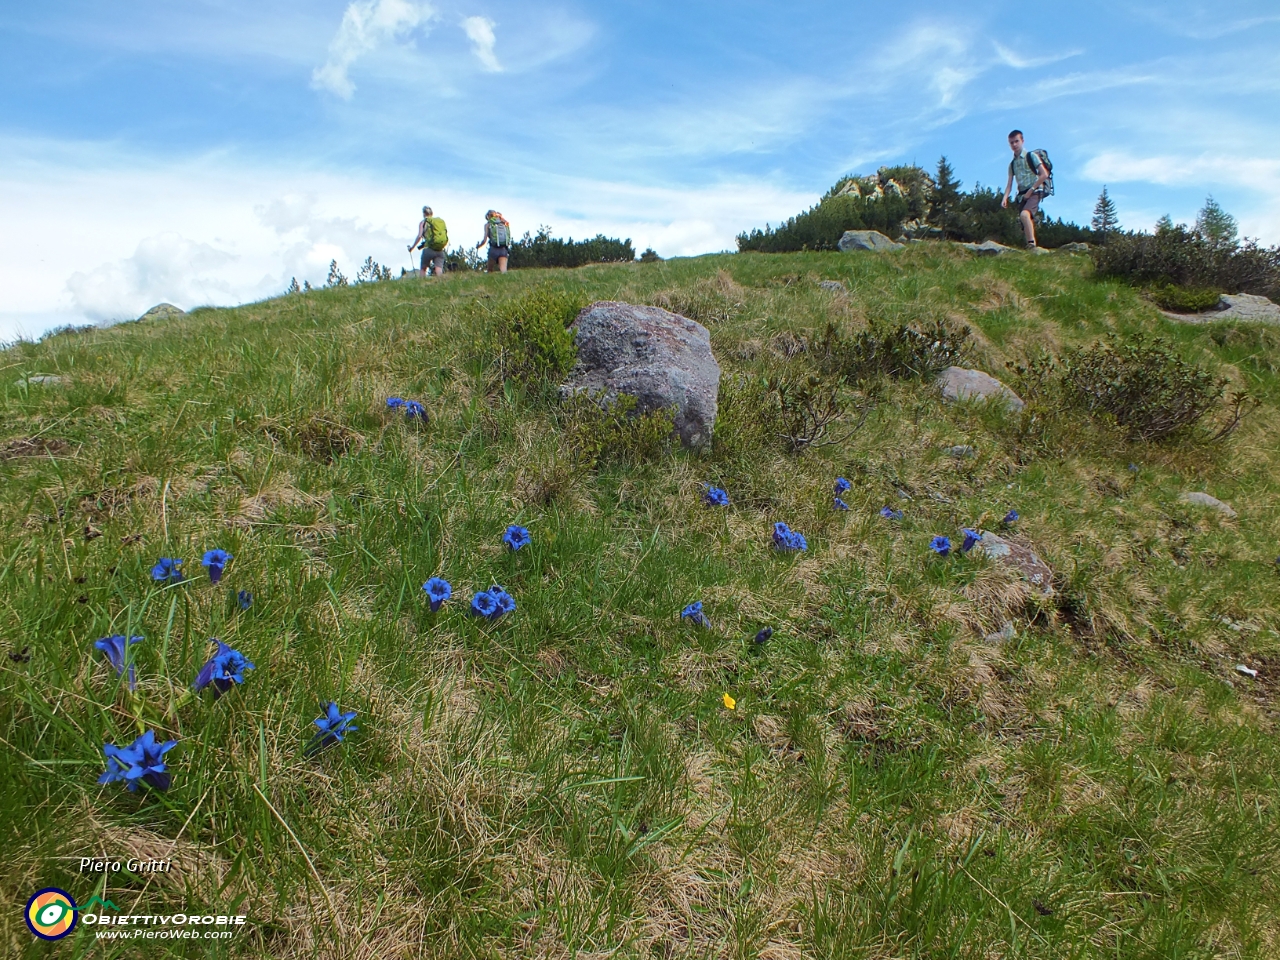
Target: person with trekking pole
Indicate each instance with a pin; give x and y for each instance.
(497, 234)
(1034, 175)
(434, 237)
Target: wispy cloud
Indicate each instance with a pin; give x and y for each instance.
(480, 33)
(1011, 58)
(365, 25)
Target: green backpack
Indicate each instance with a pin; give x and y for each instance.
(436, 236)
(499, 234)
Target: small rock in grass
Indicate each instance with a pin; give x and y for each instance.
(1005, 633)
(1247, 671)
(961, 452)
(834, 286)
(1020, 558)
(1213, 503)
(961, 383)
(48, 378)
(1074, 248)
(866, 240)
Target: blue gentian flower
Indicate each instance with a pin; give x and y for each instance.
(245, 599)
(167, 569)
(141, 761)
(839, 504)
(693, 613)
(224, 669)
(764, 634)
(484, 604)
(971, 537)
(413, 409)
(788, 540)
(505, 602)
(114, 647)
(438, 591)
(715, 497)
(1010, 517)
(890, 514)
(516, 537)
(333, 725)
(394, 403)
(842, 485)
(215, 560)
(940, 545)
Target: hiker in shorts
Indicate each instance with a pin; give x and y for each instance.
(1030, 174)
(497, 234)
(431, 233)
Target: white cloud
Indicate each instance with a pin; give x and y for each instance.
(480, 33)
(1011, 58)
(365, 25)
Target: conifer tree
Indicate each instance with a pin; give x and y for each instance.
(1216, 225)
(945, 199)
(1105, 220)
(1164, 224)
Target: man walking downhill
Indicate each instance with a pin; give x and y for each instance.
(1030, 174)
(434, 238)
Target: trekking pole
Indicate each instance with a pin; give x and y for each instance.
(412, 267)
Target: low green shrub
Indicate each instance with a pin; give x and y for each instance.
(1147, 388)
(528, 337)
(809, 411)
(1184, 299)
(900, 351)
(1180, 257)
(543, 250)
(599, 430)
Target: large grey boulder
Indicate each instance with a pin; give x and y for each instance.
(1234, 306)
(988, 248)
(961, 383)
(163, 311)
(660, 358)
(866, 240)
(1075, 246)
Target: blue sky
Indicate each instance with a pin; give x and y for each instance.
(207, 151)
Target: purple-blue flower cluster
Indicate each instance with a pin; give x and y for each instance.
(693, 613)
(140, 762)
(413, 410)
(839, 504)
(787, 540)
(842, 486)
(492, 603)
(890, 514)
(224, 669)
(215, 561)
(715, 496)
(940, 545)
(115, 647)
(332, 726)
(1010, 518)
(167, 569)
(516, 537)
(438, 591)
(971, 538)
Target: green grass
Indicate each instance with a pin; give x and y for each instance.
(567, 782)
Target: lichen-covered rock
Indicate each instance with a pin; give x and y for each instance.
(1074, 247)
(961, 383)
(1020, 558)
(662, 359)
(1213, 503)
(866, 240)
(832, 286)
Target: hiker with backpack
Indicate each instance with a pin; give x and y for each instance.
(497, 234)
(1034, 174)
(434, 237)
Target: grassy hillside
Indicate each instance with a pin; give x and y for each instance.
(567, 780)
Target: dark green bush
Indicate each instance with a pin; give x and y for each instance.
(1185, 299)
(528, 337)
(599, 429)
(1142, 384)
(543, 250)
(899, 351)
(1181, 257)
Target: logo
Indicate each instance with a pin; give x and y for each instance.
(51, 913)
(97, 901)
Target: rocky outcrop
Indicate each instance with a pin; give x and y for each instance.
(1234, 306)
(961, 383)
(163, 311)
(987, 248)
(866, 240)
(660, 358)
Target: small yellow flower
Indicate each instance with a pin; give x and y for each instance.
(729, 702)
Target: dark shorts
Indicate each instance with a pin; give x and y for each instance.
(435, 257)
(1030, 203)
(496, 252)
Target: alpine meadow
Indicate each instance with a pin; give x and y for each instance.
(463, 701)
